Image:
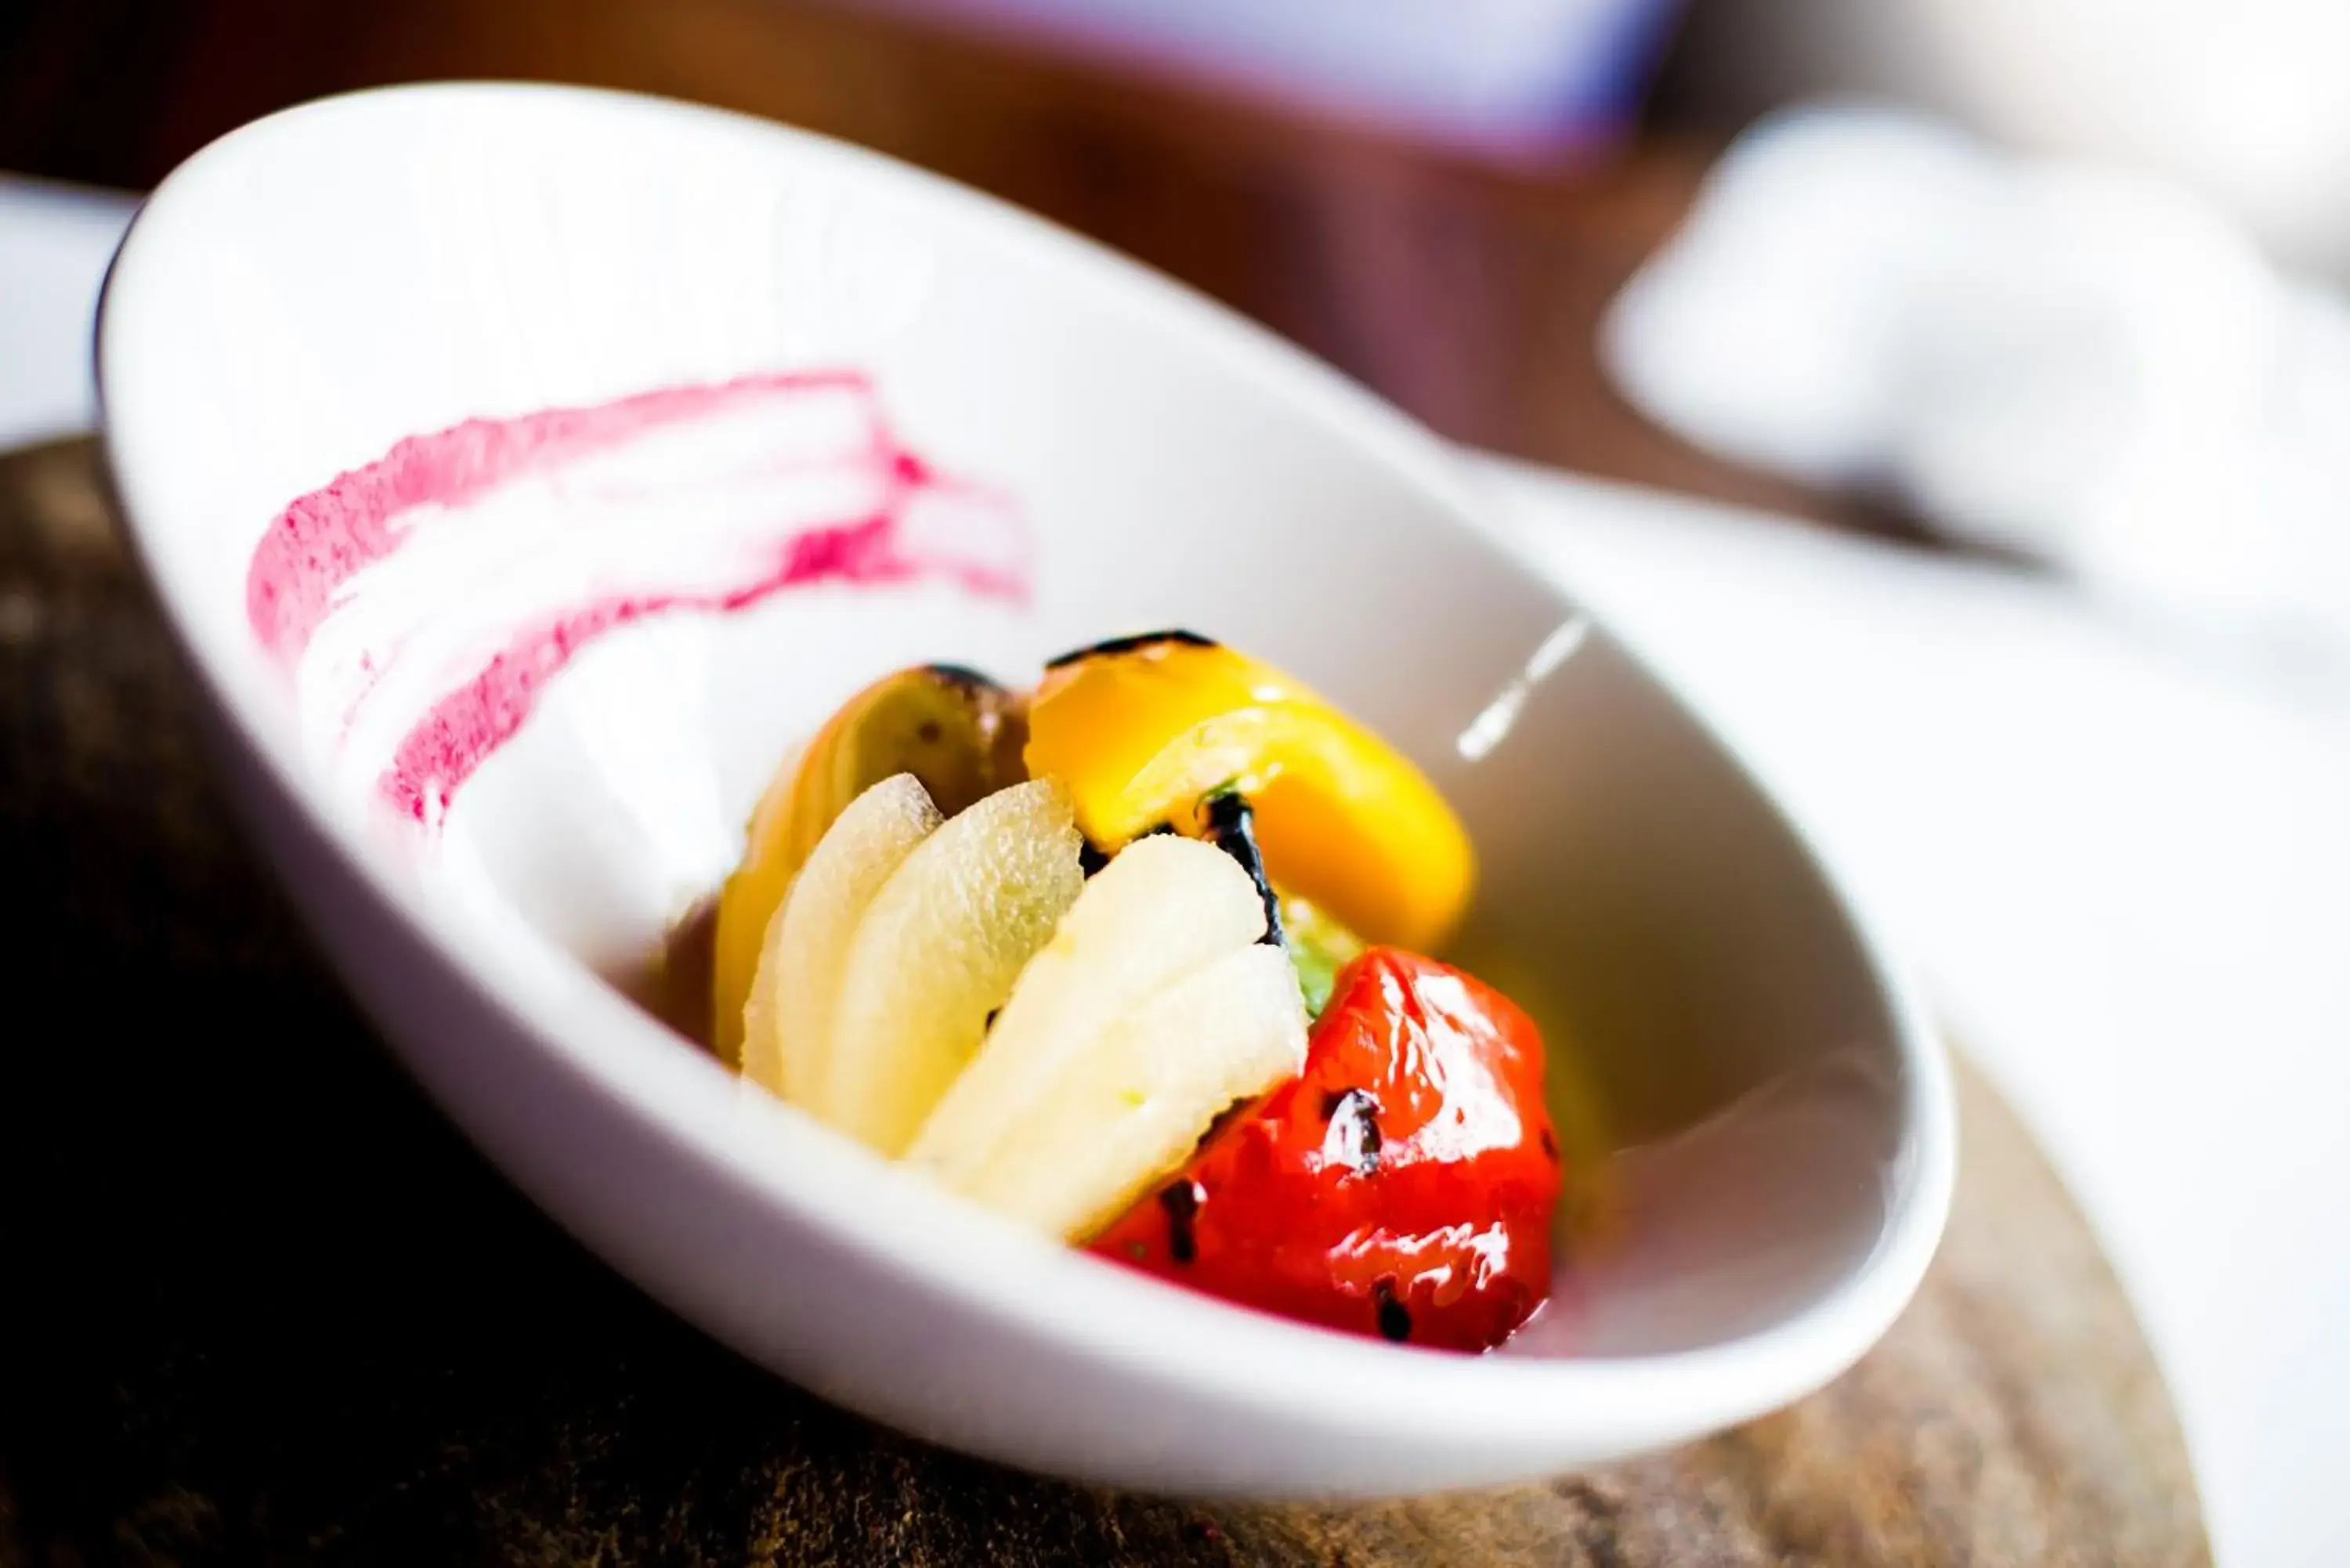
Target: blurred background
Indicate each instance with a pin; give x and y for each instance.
(1437, 197)
(1444, 200)
(2013, 330)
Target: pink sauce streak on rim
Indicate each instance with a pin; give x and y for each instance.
(312, 555)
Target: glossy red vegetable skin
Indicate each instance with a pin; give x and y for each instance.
(1401, 1186)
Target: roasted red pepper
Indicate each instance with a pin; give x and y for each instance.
(1401, 1186)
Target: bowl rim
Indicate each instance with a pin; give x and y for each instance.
(946, 1248)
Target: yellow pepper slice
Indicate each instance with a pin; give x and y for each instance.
(953, 728)
(1142, 728)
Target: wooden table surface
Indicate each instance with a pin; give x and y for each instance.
(263, 1306)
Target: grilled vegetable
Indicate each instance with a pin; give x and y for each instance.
(1319, 947)
(1143, 729)
(1090, 959)
(1401, 1186)
(1232, 827)
(936, 954)
(1164, 910)
(957, 733)
(787, 1039)
(1135, 1101)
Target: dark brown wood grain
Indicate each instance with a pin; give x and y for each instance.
(259, 1304)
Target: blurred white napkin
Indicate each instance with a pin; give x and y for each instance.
(54, 243)
(2072, 363)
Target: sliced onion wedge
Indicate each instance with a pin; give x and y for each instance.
(1135, 1104)
(1165, 908)
(937, 953)
(787, 1019)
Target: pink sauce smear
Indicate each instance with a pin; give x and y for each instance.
(311, 562)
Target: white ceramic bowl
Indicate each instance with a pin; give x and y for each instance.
(1101, 452)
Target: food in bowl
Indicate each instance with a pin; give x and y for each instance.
(1138, 958)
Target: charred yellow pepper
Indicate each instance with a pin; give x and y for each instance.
(957, 732)
(1142, 729)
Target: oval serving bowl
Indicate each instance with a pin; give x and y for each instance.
(522, 470)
